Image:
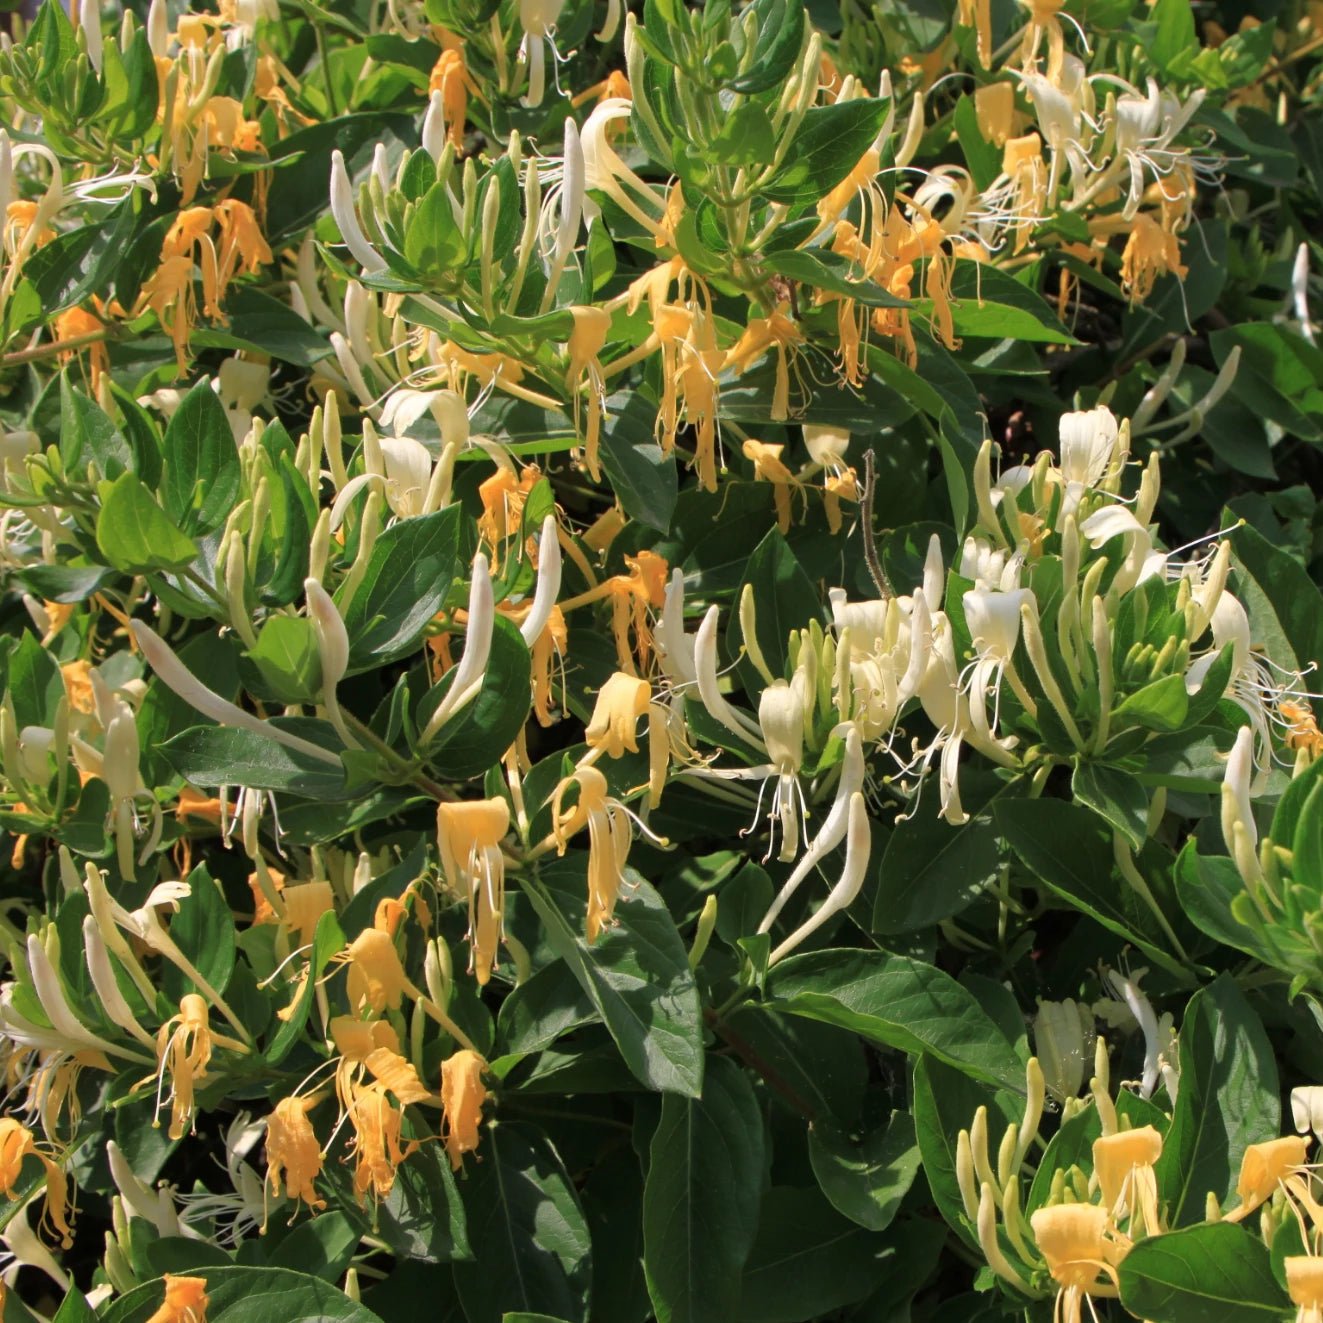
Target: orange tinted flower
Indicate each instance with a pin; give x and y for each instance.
(17, 1143)
(462, 1097)
(292, 1151)
(185, 1301)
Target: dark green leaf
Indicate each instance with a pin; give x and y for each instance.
(830, 142)
(202, 473)
(223, 756)
(700, 1200)
(866, 1178)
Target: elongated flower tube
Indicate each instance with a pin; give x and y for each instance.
(834, 826)
(346, 218)
(469, 836)
(705, 666)
(548, 583)
(176, 676)
(1238, 827)
(107, 989)
(333, 649)
(467, 675)
(858, 840)
(50, 993)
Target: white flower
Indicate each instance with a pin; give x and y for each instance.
(1238, 827)
(1088, 444)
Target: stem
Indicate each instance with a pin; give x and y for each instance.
(323, 53)
(38, 352)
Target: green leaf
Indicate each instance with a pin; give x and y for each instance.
(249, 1295)
(807, 1261)
(820, 268)
(1228, 1100)
(223, 756)
(830, 142)
(1285, 590)
(287, 656)
(323, 1246)
(784, 598)
(34, 683)
(256, 321)
(135, 535)
(1174, 43)
(203, 929)
(700, 1199)
(899, 1002)
(1163, 705)
(1218, 1273)
(202, 472)
(643, 479)
(1070, 851)
(1115, 796)
(434, 243)
(866, 1178)
(407, 580)
(1280, 375)
(636, 974)
(745, 138)
(945, 1101)
(530, 1241)
(989, 304)
(931, 871)
(780, 35)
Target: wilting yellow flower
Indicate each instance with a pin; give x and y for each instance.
(994, 108)
(462, 1097)
(17, 1143)
(977, 14)
(469, 836)
(184, 1044)
(503, 497)
(185, 1301)
(1304, 1284)
(74, 323)
(376, 1149)
(584, 375)
(305, 903)
(610, 833)
(450, 77)
(613, 730)
(838, 487)
(1302, 732)
(1074, 1240)
(768, 466)
(1149, 252)
(777, 332)
(1123, 1163)
(78, 685)
(292, 1151)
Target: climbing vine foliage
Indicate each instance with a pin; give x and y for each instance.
(657, 661)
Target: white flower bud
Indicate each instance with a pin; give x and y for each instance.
(346, 218)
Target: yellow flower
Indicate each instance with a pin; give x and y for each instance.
(377, 981)
(1149, 252)
(1304, 1284)
(609, 836)
(185, 1301)
(184, 1044)
(1073, 1239)
(469, 835)
(613, 730)
(1269, 1166)
(450, 77)
(978, 15)
(462, 1097)
(292, 1151)
(1123, 1163)
(17, 1143)
(769, 467)
(376, 1149)
(777, 332)
(994, 109)
(591, 327)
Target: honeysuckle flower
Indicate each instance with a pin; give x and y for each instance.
(376, 980)
(1088, 448)
(469, 835)
(1265, 1168)
(1124, 1166)
(293, 1154)
(858, 840)
(538, 20)
(462, 1097)
(1082, 1251)
(994, 624)
(1161, 1061)
(328, 627)
(547, 591)
(1150, 251)
(185, 1300)
(835, 825)
(768, 466)
(1304, 1284)
(605, 172)
(449, 86)
(613, 727)
(1307, 1109)
(346, 218)
(376, 1149)
(778, 332)
(155, 1206)
(1239, 830)
(176, 676)
(584, 375)
(467, 677)
(705, 668)
(184, 1045)
(16, 1143)
(1063, 1043)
